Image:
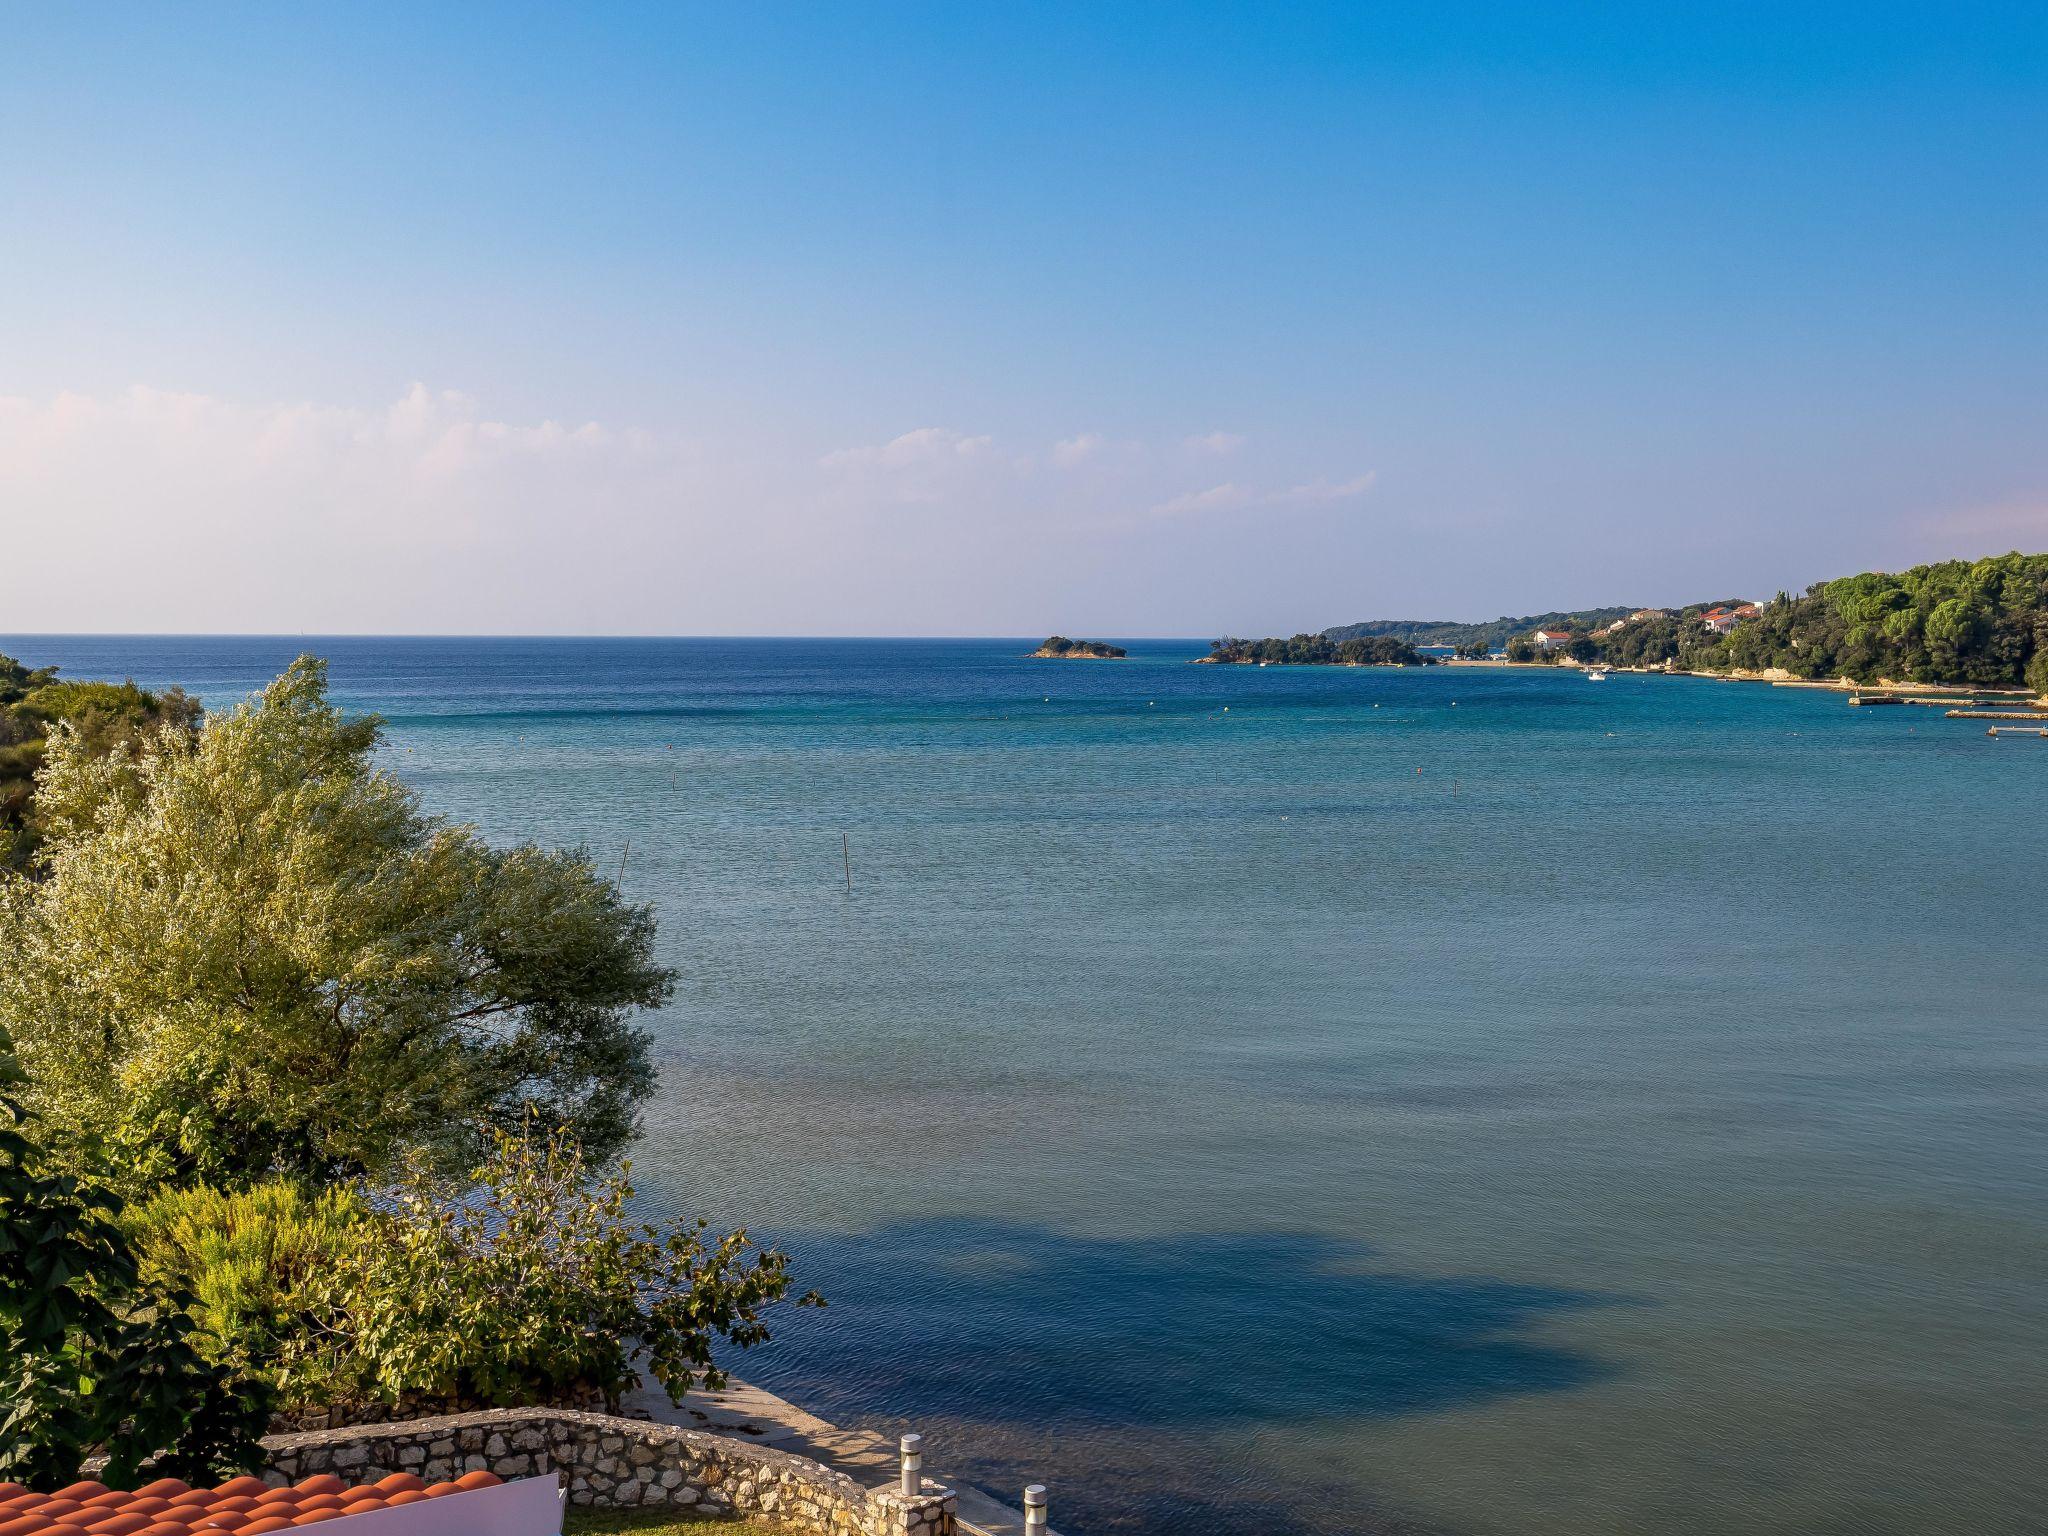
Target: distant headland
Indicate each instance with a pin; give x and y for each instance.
(1962, 623)
(1060, 648)
(1316, 651)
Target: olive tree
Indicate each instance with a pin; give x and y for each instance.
(247, 951)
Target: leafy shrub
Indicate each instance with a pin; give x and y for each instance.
(93, 1358)
(532, 1287)
(249, 1259)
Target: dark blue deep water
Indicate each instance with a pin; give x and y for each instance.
(1301, 1100)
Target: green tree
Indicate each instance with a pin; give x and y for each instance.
(93, 1360)
(248, 952)
(1980, 623)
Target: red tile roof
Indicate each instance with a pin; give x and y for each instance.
(243, 1506)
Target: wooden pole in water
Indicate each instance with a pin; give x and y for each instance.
(846, 853)
(623, 853)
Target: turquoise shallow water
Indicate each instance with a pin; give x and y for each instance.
(1450, 1100)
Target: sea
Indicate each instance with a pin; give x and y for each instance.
(1316, 1100)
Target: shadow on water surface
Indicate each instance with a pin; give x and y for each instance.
(1142, 1370)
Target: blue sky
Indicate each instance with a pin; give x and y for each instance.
(976, 319)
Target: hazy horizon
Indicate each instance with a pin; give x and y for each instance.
(681, 320)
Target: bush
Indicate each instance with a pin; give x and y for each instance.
(532, 1287)
(250, 1260)
(92, 1357)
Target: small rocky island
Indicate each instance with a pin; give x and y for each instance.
(1060, 648)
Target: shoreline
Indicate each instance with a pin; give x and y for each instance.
(753, 1413)
(1774, 677)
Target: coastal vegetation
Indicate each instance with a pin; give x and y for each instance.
(1318, 651)
(311, 1102)
(103, 719)
(1480, 638)
(247, 952)
(1981, 623)
(1060, 648)
(94, 1357)
(525, 1283)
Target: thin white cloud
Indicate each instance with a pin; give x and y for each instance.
(929, 466)
(166, 449)
(1320, 490)
(1230, 494)
(297, 514)
(923, 446)
(1215, 498)
(1071, 451)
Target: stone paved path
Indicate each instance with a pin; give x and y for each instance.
(750, 1412)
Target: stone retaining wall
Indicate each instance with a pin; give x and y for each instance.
(619, 1463)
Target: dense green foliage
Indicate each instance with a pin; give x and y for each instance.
(106, 718)
(1980, 623)
(1489, 636)
(536, 1287)
(1320, 650)
(249, 1260)
(527, 1283)
(1060, 645)
(93, 1358)
(249, 974)
(248, 952)
(1677, 637)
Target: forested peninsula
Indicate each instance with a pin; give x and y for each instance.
(1980, 623)
(1316, 651)
(1489, 635)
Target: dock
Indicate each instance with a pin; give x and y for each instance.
(1875, 698)
(1997, 714)
(2013, 730)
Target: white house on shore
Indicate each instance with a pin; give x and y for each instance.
(1551, 639)
(1722, 620)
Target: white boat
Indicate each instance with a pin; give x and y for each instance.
(1596, 674)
